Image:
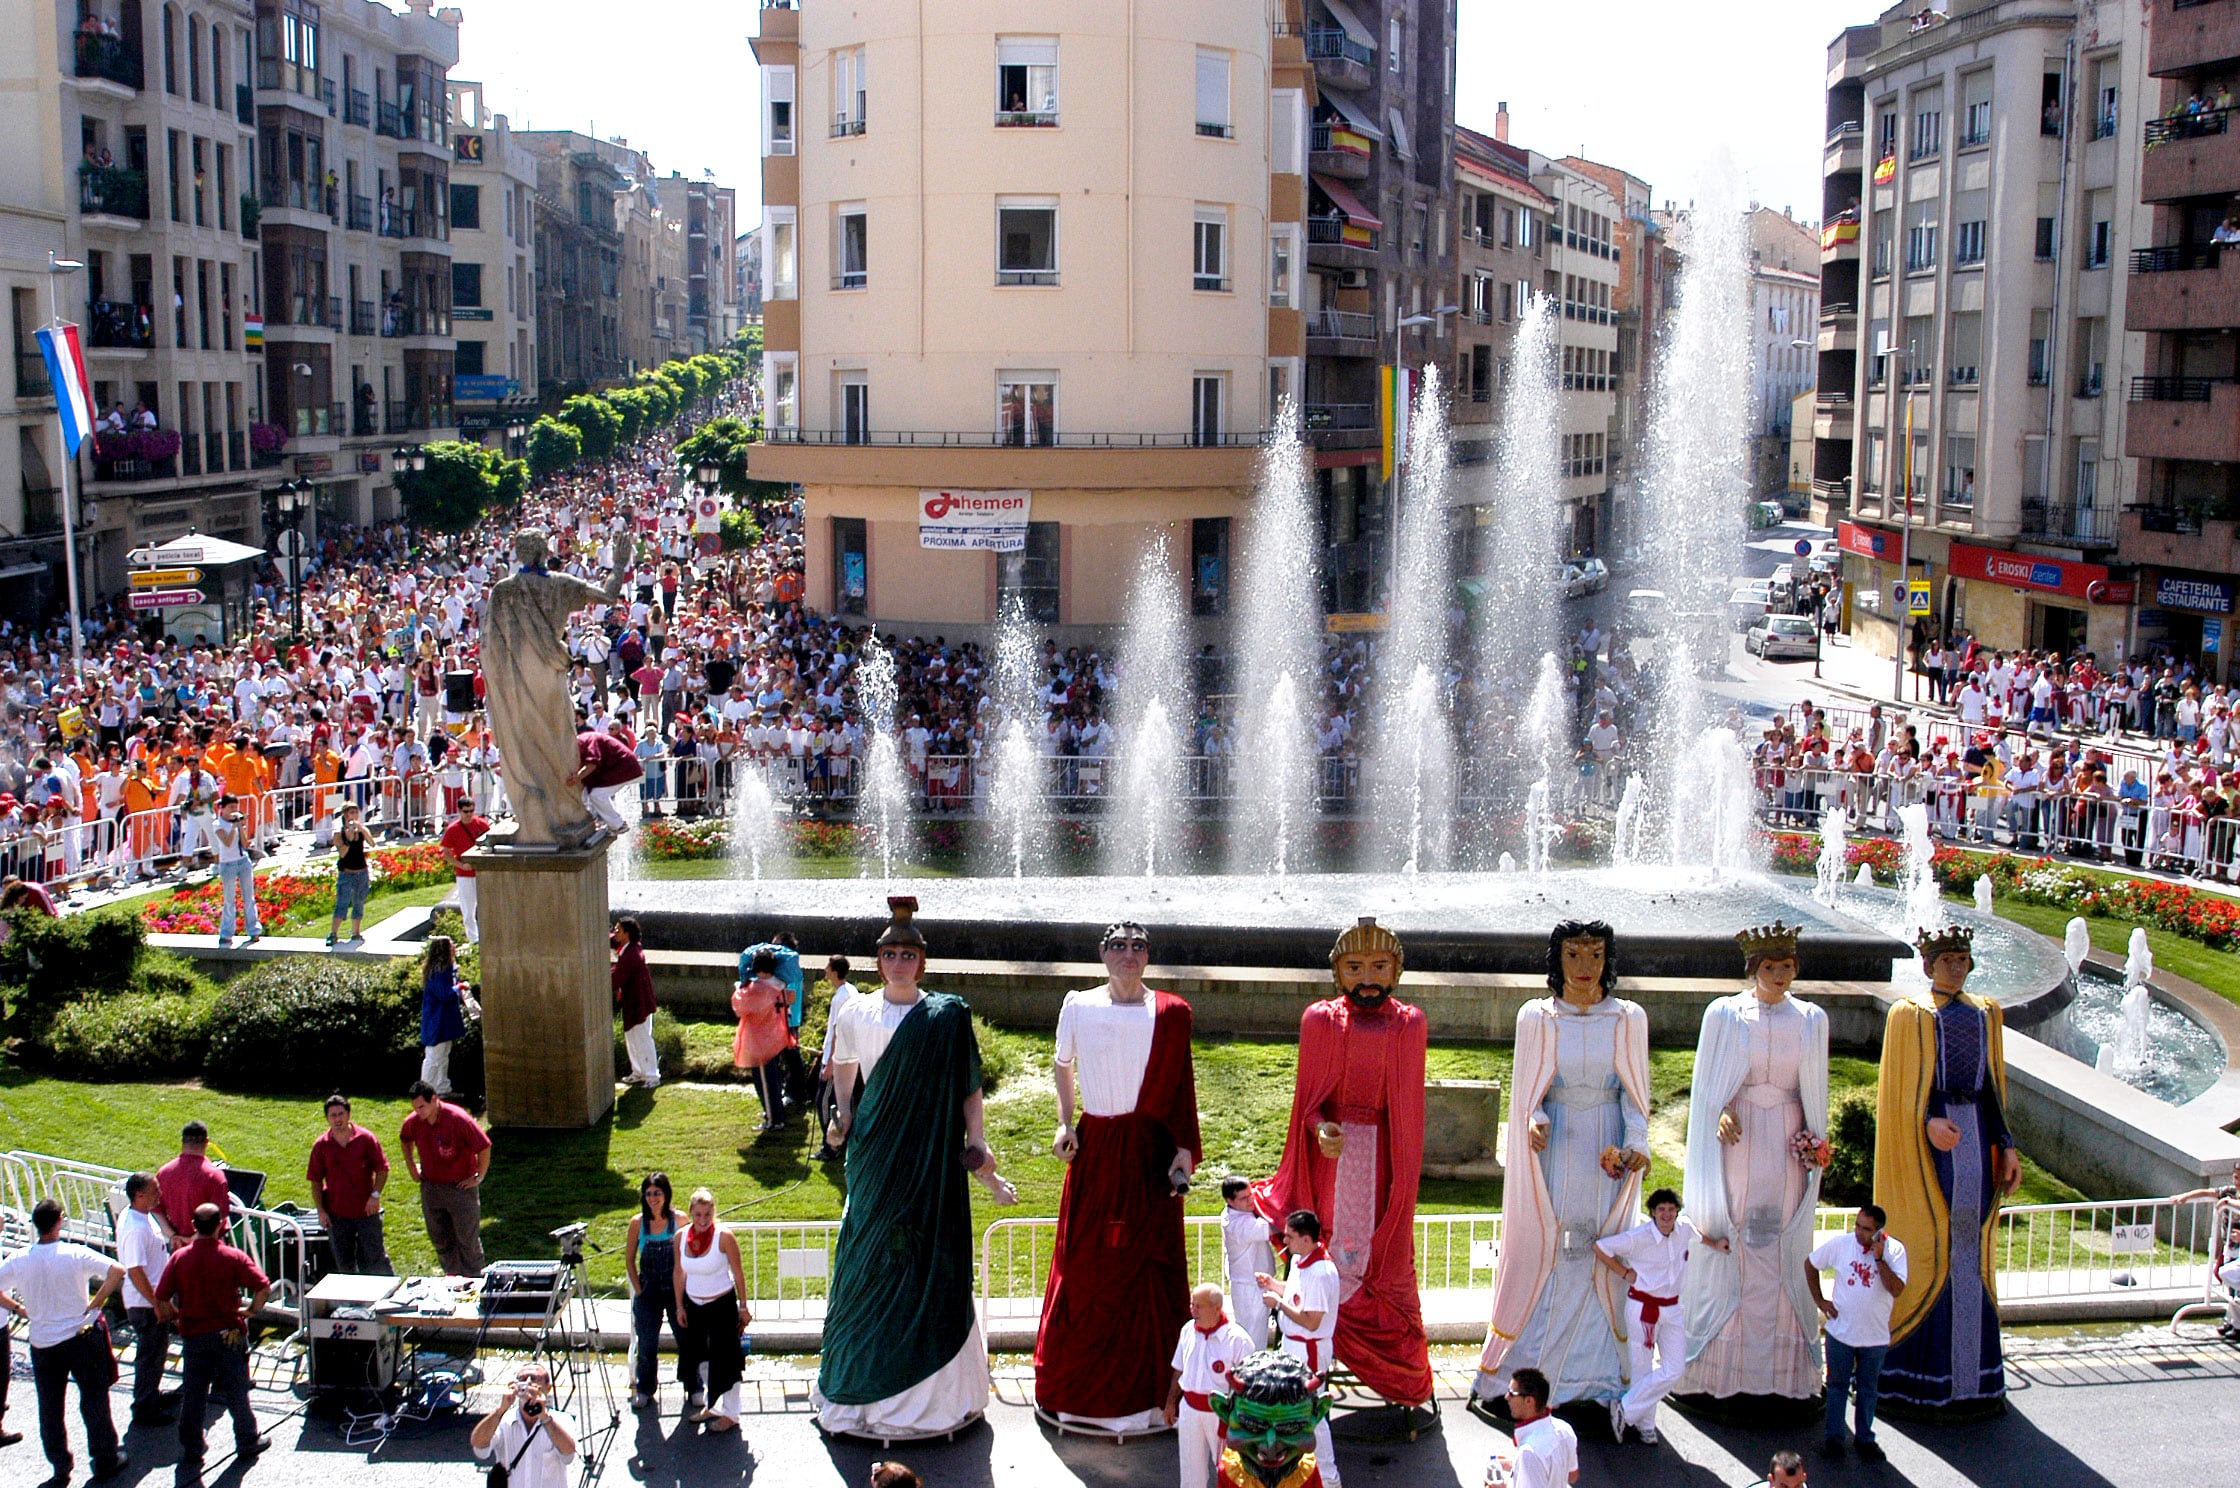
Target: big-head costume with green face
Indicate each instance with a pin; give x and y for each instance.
(1268, 1419)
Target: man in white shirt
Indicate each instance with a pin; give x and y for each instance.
(1209, 1346)
(1308, 1302)
(1870, 1268)
(143, 1249)
(534, 1442)
(1546, 1453)
(46, 1285)
(1653, 1259)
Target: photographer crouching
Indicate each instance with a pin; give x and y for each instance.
(530, 1443)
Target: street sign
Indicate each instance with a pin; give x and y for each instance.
(162, 578)
(1917, 596)
(161, 599)
(2212, 633)
(1803, 549)
(167, 555)
(289, 543)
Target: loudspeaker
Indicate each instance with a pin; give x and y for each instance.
(458, 692)
(354, 1364)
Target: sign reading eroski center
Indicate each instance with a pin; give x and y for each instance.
(982, 521)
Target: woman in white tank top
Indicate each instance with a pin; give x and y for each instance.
(711, 1315)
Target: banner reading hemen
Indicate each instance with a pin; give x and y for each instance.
(981, 521)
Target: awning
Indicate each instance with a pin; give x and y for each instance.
(22, 570)
(1351, 22)
(1348, 205)
(211, 551)
(1400, 143)
(1356, 120)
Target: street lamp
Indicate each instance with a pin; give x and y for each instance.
(408, 457)
(1903, 598)
(708, 474)
(290, 500)
(56, 268)
(515, 433)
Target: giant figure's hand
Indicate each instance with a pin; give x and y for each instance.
(1536, 1134)
(1330, 1140)
(2010, 1171)
(1064, 1145)
(1730, 1130)
(1944, 1135)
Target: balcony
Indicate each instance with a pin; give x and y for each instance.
(2183, 288)
(111, 192)
(357, 108)
(389, 121)
(1026, 118)
(1839, 239)
(108, 59)
(1845, 152)
(1340, 151)
(245, 105)
(2186, 35)
(237, 450)
(358, 212)
(846, 126)
(1350, 333)
(31, 378)
(309, 198)
(2190, 155)
(2179, 537)
(1336, 242)
(309, 310)
(1340, 425)
(2067, 524)
(2183, 418)
(410, 417)
(1339, 59)
(116, 325)
(402, 320)
(1838, 330)
(362, 320)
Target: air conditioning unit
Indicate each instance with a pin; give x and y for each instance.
(1353, 279)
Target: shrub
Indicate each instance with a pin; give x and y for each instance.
(595, 420)
(1849, 1176)
(998, 1060)
(553, 447)
(668, 1046)
(139, 1036)
(312, 1025)
(47, 963)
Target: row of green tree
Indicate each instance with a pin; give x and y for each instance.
(463, 481)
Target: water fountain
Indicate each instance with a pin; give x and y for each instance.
(883, 814)
(2076, 942)
(752, 838)
(1828, 871)
(1924, 904)
(1277, 652)
(1626, 827)
(1144, 815)
(1711, 805)
(1865, 878)
(1410, 766)
(1018, 803)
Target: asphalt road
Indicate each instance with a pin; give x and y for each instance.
(2086, 1410)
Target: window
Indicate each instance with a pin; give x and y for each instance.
(2100, 235)
(1975, 108)
(2088, 474)
(1921, 247)
(2105, 113)
(1206, 399)
(2041, 365)
(2043, 247)
(1209, 566)
(1283, 378)
(1392, 43)
(851, 566)
(1928, 124)
(850, 91)
(1209, 257)
(1213, 95)
(466, 283)
(1959, 471)
(2034, 467)
(1967, 243)
(1287, 125)
(1029, 577)
(2049, 105)
(851, 242)
(466, 207)
(1919, 349)
(1283, 254)
(1026, 81)
(1026, 242)
(469, 359)
(778, 262)
(1886, 123)
(785, 402)
(777, 111)
(855, 408)
(1027, 408)
(2092, 355)
(1964, 347)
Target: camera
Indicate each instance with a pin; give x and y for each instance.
(570, 1239)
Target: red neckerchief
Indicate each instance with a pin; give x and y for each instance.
(1209, 1332)
(693, 1244)
(1300, 1263)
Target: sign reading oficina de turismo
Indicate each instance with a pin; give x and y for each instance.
(981, 521)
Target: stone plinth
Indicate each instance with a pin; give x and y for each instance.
(1462, 1128)
(547, 1007)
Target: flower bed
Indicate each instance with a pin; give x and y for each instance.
(193, 909)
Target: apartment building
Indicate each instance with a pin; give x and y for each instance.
(1647, 269)
(1843, 173)
(709, 214)
(587, 200)
(354, 160)
(493, 284)
(1380, 255)
(1784, 316)
(2182, 531)
(1500, 253)
(1032, 282)
(1999, 214)
(31, 463)
(131, 155)
(746, 276)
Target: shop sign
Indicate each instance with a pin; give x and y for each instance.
(2178, 592)
(976, 521)
(2025, 570)
(369, 462)
(2212, 635)
(314, 464)
(1867, 542)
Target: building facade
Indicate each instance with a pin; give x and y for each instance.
(1380, 253)
(1641, 300)
(1500, 253)
(709, 214)
(586, 201)
(2000, 144)
(2182, 532)
(746, 276)
(1065, 283)
(493, 279)
(31, 461)
(1784, 316)
(354, 159)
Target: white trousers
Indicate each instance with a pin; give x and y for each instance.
(435, 1066)
(2229, 1274)
(1659, 1355)
(1245, 1306)
(463, 890)
(645, 1060)
(732, 1402)
(1325, 1455)
(599, 801)
(1197, 1435)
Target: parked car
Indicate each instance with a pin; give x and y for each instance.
(1749, 602)
(1778, 636)
(1588, 576)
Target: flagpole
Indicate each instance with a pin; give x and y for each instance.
(56, 268)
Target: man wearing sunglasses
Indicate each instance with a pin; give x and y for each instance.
(1119, 1288)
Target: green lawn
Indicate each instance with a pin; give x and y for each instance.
(2219, 971)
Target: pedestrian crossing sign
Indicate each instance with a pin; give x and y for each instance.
(1917, 596)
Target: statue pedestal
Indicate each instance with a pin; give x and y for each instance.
(1462, 1128)
(547, 1006)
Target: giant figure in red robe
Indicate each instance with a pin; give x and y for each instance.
(1354, 1155)
(1119, 1288)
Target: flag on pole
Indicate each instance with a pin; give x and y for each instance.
(1393, 385)
(66, 370)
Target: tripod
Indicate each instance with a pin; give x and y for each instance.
(577, 1354)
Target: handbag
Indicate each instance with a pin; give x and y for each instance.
(501, 1473)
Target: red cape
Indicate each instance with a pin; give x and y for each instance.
(1366, 1066)
(1119, 1289)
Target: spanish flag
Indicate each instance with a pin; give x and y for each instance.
(1886, 170)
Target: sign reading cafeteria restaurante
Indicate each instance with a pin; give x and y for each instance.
(2207, 596)
(979, 521)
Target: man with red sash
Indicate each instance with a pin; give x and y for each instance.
(1353, 1157)
(1119, 1287)
(1208, 1348)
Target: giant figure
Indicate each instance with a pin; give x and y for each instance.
(1943, 1159)
(1119, 1288)
(1578, 1144)
(903, 1355)
(525, 678)
(1354, 1156)
(1757, 1130)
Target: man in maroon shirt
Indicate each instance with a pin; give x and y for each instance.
(200, 1294)
(607, 765)
(189, 1181)
(348, 1171)
(465, 831)
(448, 1154)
